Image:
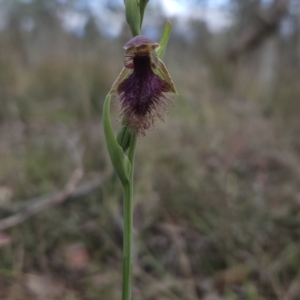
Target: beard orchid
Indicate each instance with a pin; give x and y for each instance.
(143, 86)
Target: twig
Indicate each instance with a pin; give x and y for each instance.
(69, 192)
(293, 290)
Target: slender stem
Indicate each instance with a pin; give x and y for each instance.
(128, 222)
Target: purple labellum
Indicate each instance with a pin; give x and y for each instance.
(142, 85)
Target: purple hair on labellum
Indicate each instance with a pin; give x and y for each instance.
(143, 84)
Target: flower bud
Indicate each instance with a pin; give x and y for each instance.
(123, 137)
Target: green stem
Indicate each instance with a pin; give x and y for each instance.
(128, 224)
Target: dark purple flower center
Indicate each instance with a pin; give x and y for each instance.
(142, 94)
(142, 89)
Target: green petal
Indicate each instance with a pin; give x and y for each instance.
(160, 69)
(164, 40)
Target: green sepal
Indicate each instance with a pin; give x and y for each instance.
(162, 71)
(133, 16)
(125, 73)
(123, 137)
(164, 40)
(118, 158)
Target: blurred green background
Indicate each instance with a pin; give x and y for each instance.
(217, 195)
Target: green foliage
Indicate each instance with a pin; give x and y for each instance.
(142, 4)
(120, 161)
(164, 40)
(133, 16)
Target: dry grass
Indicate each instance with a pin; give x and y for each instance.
(216, 195)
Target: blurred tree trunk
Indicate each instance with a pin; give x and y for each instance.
(268, 64)
(298, 40)
(259, 30)
(17, 42)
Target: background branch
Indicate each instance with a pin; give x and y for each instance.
(69, 192)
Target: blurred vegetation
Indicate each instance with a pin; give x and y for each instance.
(217, 199)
